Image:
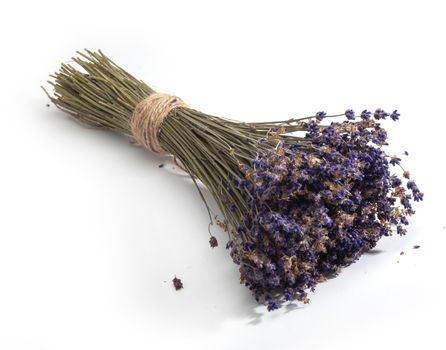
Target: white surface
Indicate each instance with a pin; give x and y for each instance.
(92, 231)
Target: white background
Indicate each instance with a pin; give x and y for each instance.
(92, 231)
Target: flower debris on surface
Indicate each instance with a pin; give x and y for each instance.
(177, 283)
(213, 242)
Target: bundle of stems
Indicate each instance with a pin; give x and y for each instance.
(209, 148)
(273, 187)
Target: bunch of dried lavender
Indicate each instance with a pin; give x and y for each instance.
(296, 208)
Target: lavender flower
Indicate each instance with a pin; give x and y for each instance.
(317, 207)
(350, 114)
(366, 114)
(320, 115)
(417, 194)
(394, 160)
(395, 115)
(380, 114)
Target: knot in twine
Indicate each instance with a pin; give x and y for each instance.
(148, 116)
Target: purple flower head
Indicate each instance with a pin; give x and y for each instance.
(272, 305)
(350, 114)
(320, 115)
(417, 194)
(312, 128)
(394, 160)
(380, 114)
(365, 114)
(395, 181)
(395, 115)
(411, 185)
(401, 230)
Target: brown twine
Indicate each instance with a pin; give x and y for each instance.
(148, 116)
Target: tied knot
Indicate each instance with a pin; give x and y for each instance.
(148, 116)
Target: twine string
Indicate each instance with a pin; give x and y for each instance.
(148, 116)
